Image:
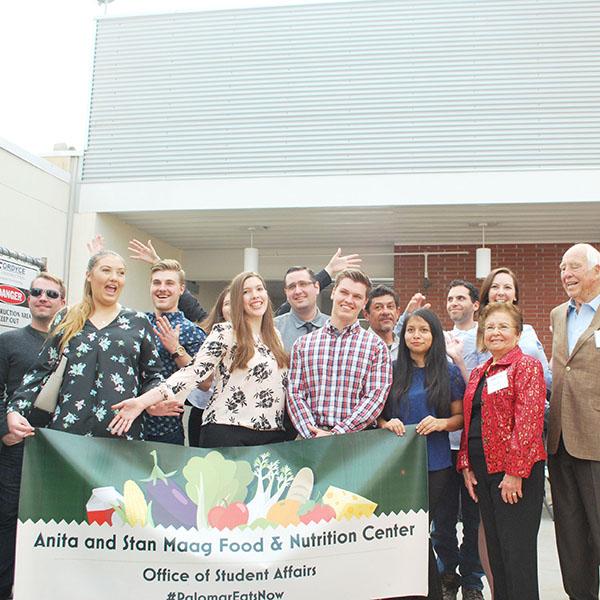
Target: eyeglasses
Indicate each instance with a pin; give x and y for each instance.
(302, 285)
(51, 294)
(500, 328)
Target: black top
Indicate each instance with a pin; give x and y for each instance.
(19, 350)
(190, 307)
(475, 442)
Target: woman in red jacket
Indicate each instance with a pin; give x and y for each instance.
(502, 451)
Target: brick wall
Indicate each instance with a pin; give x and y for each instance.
(536, 267)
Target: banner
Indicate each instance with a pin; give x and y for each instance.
(15, 277)
(342, 516)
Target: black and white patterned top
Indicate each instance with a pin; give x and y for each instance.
(253, 397)
(104, 366)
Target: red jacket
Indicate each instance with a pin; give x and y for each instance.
(512, 419)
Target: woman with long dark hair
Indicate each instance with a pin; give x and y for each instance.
(110, 356)
(250, 375)
(427, 391)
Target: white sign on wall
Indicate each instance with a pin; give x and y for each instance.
(15, 278)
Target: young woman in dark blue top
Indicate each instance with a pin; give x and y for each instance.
(427, 391)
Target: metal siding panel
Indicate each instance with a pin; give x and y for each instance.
(380, 86)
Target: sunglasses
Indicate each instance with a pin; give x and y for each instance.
(37, 292)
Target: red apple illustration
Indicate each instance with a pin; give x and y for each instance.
(229, 516)
(315, 513)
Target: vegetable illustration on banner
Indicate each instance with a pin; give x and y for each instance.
(217, 494)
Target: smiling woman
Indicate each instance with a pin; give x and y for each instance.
(502, 450)
(427, 392)
(109, 351)
(502, 285)
(249, 364)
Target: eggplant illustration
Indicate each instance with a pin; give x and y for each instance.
(170, 504)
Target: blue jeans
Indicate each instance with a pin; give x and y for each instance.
(11, 462)
(456, 502)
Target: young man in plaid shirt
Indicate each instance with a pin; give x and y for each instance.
(340, 374)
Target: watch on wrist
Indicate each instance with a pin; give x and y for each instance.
(179, 352)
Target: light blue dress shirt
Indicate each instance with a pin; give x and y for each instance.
(578, 322)
(291, 326)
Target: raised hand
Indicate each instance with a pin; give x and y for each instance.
(143, 252)
(168, 336)
(417, 301)
(454, 347)
(338, 262)
(95, 245)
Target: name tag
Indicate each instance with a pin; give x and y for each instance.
(597, 338)
(497, 382)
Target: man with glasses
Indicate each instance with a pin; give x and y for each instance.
(18, 350)
(301, 290)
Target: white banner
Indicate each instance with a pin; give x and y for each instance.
(66, 561)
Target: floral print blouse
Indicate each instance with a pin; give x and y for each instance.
(104, 366)
(253, 397)
(512, 417)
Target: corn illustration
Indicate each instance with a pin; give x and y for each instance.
(136, 509)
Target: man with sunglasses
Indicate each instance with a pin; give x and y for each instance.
(18, 350)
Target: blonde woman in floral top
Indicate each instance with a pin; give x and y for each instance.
(110, 356)
(250, 375)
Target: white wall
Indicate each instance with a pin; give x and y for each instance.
(223, 264)
(34, 196)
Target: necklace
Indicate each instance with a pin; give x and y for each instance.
(101, 323)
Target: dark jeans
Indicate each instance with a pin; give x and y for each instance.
(195, 426)
(457, 505)
(214, 435)
(576, 502)
(511, 530)
(173, 437)
(11, 462)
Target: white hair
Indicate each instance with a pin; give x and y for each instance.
(592, 255)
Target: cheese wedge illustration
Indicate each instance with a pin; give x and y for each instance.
(348, 505)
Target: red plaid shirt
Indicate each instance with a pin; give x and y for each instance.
(338, 380)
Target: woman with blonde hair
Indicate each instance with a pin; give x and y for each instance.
(250, 375)
(110, 355)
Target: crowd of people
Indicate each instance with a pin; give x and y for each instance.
(479, 393)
